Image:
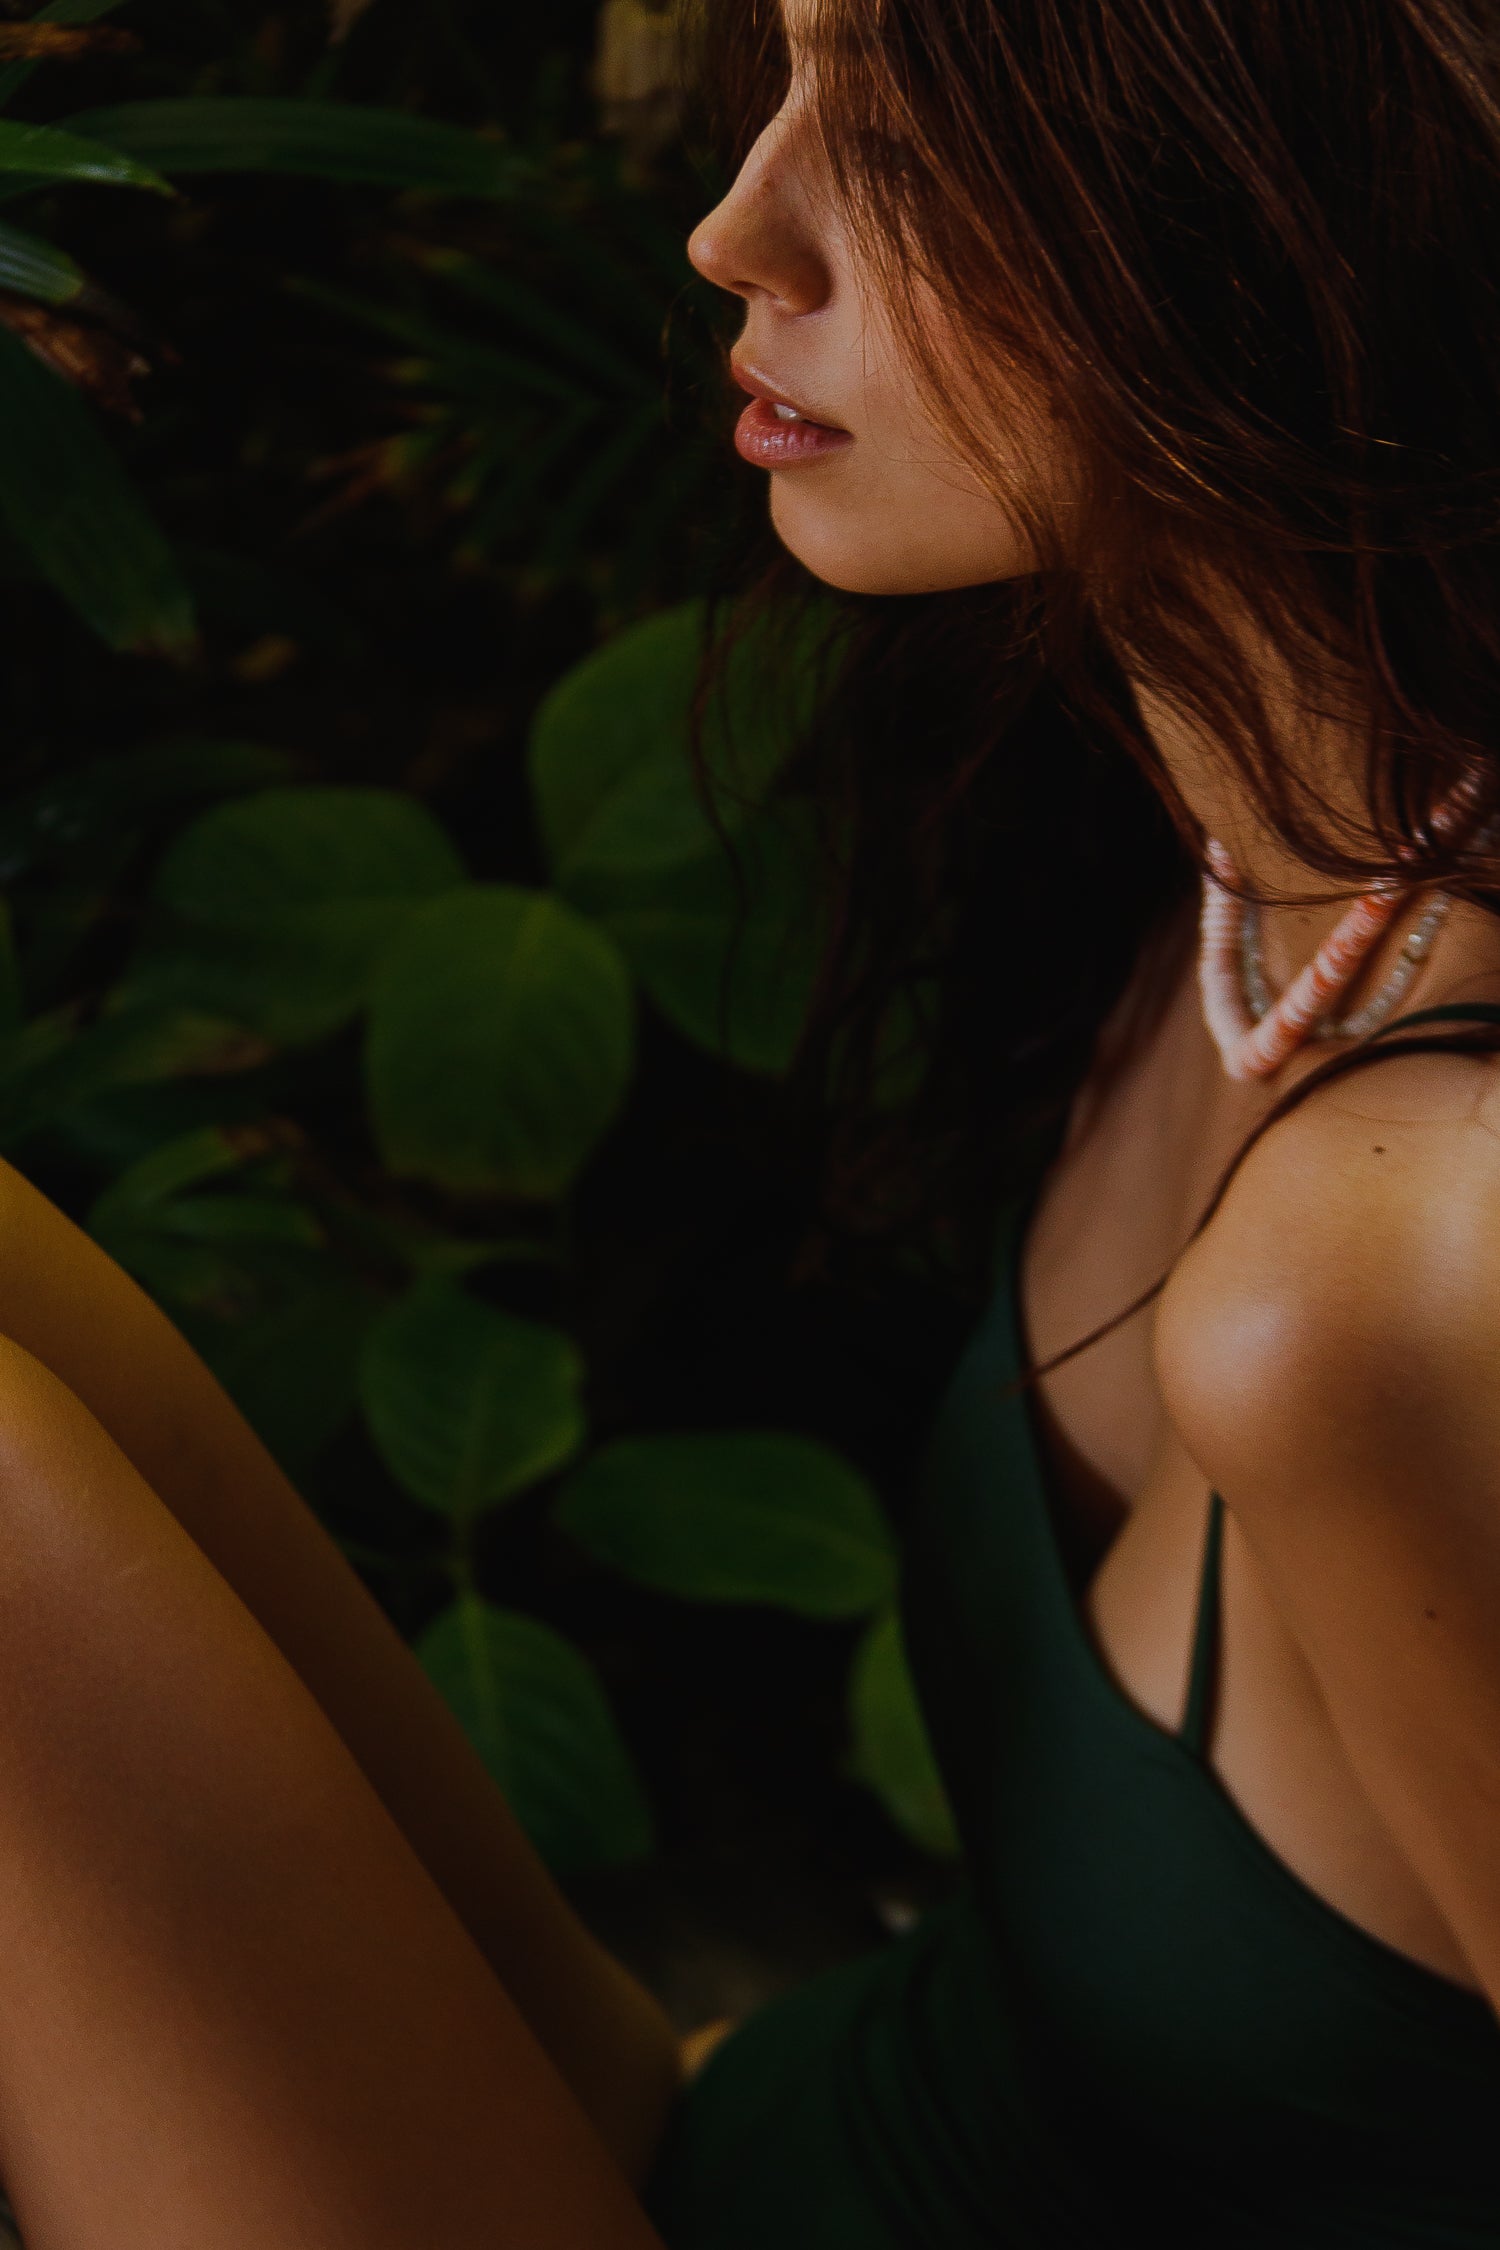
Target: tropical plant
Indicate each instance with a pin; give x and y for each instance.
(482, 1037)
(65, 501)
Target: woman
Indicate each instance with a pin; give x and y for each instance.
(1164, 343)
(1154, 354)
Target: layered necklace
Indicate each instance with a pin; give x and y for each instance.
(1255, 1033)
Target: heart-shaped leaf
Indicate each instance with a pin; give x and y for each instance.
(469, 1404)
(500, 1043)
(534, 1710)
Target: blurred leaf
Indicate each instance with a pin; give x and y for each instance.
(610, 764)
(30, 267)
(65, 498)
(736, 980)
(469, 1404)
(752, 1516)
(275, 909)
(609, 758)
(44, 155)
(326, 140)
(891, 1752)
(113, 801)
(535, 1712)
(500, 1043)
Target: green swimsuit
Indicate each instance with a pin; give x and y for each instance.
(1134, 2024)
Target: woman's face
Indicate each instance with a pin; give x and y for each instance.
(887, 508)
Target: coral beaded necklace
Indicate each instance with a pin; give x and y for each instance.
(1253, 1033)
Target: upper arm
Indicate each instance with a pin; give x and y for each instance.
(1330, 1355)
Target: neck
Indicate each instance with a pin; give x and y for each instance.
(1297, 914)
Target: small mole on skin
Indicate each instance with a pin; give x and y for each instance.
(1429, 1613)
(1379, 1151)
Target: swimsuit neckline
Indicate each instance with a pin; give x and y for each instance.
(1411, 1981)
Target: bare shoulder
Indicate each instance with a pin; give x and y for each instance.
(1340, 1314)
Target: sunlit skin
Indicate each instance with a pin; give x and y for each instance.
(1324, 1354)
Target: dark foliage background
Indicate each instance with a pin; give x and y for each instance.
(418, 457)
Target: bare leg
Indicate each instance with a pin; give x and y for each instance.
(236, 2013)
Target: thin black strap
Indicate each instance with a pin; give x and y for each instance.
(1193, 1733)
(1450, 1010)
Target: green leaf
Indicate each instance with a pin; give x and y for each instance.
(891, 1753)
(65, 498)
(324, 140)
(752, 1516)
(274, 910)
(466, 1403)
(632, 846)
(30, 267)
(735, 979)
(609, 754)
(500, 1043)
(536, 1713)
(44, 156)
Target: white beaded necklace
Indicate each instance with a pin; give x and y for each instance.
(1254, 1033)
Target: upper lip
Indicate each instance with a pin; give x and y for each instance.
(758, 387)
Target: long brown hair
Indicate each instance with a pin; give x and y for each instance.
(1246, 254)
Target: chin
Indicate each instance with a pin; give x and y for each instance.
(833, 551)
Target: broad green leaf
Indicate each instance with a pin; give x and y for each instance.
(632, 846)
(608, 755)
(469, 1404)
(274, 909)
(735, 978)
(325, 140)
(44, 155)
(500, 1043)
(891, 1752)
(536, 1713)
(65, 499)
(609, 752)
(751, 1516)
(113, 801)
(30, 267)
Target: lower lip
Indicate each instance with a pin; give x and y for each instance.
(761, 436)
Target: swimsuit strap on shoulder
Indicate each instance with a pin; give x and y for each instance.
(1451, 1011)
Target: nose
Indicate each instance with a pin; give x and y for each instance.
(759, 240)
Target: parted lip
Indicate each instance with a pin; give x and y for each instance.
(758, 387)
